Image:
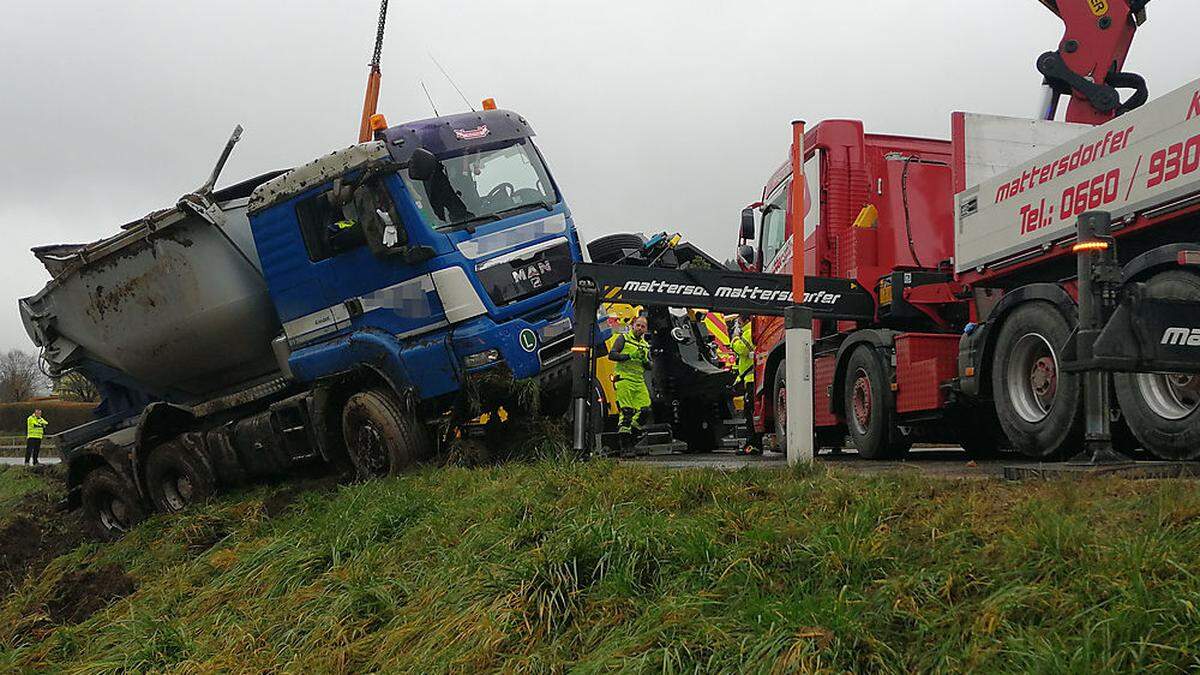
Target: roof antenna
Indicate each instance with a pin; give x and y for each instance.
(431, 105)
(451, 80)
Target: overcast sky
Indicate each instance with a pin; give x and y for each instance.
(653, 114)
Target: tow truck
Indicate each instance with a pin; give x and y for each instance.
(987, 310)
(970, 252)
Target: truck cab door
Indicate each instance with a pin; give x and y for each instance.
(335, 253)
(367, 268)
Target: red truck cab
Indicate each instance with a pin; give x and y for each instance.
(875, 205)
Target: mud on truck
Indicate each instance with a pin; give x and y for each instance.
(332, 312)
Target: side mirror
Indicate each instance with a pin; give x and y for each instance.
(745, 257)
(747, 224)
(422, 165)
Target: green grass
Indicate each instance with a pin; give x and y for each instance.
(16, 482)
(553, 566)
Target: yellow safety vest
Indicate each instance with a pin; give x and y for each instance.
(743, 346)
(34, 426)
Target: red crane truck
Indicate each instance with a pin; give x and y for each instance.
(966, 246)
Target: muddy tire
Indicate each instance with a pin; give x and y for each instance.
(111, 505)
(610, 249)
(870, 407)
(176, 478)
(1039, 406)
(382, 439)
(1163, 409)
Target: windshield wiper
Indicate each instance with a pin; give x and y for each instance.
(470, 223)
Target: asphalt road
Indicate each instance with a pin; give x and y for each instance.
(946, 462)
(19, 460)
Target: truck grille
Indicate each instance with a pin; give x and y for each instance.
(555, 351)
(522, 276)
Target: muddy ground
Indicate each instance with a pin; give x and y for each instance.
(33, 533)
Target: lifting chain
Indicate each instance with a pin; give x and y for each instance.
(379, 35)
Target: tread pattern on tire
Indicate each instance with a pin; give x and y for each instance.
(608, 249)
(887, 441)
(105, 481)
(1062, 429)
(400, 427)
(174, 456)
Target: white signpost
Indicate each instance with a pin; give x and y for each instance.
(798, 322)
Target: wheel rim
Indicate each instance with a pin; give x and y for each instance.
(1171, 396)
(114, 515)
(177, 491)
(860, 399)
(370, 450)
(1032, 377)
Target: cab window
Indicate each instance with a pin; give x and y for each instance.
(774, 223)
(344, 218)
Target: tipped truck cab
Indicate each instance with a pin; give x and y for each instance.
(330, 312)
(465, 267)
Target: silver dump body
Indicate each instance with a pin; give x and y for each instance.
(175, 302)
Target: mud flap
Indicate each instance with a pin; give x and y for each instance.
(1145, 335)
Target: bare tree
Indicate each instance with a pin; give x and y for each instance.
(75, 387)
(20, 377)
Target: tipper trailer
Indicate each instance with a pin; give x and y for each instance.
(967, 246)
(330, 312)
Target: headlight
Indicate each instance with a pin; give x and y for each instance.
(482, 358)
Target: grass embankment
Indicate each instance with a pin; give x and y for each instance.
(554, 566)
(16, 483)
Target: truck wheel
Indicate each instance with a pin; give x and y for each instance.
(1037, 403)
(779, 403)
(381, 439)
(111, 506)
(870, 409)
(1163, 409)
(176, 478)
(610, 249)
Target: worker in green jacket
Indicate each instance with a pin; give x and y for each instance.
(35, 426)
(742, 343)
(631, 355)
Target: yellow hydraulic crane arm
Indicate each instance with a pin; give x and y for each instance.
(372, 98)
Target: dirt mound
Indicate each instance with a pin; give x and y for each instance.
(80, 594)
(35, 533)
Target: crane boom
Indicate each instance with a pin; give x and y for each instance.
(1087, 66)
(373, 79)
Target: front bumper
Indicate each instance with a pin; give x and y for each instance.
(530, 346)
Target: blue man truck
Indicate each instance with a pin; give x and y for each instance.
(332, 312)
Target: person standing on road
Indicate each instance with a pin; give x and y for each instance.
(741, 340)
(631, 355)
(35, 426)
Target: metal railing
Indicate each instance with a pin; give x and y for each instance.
(14, 446)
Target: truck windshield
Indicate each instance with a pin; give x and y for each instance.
(483, 185)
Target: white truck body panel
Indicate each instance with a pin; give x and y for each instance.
(1143, 159)
(994, 144)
